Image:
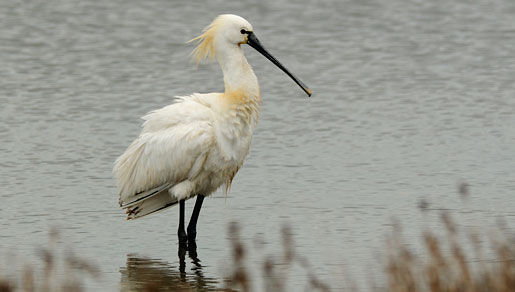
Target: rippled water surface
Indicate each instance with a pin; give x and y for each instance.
(410, 99)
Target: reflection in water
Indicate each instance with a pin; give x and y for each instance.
(143, 274)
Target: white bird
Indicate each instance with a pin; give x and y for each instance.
(198, 143)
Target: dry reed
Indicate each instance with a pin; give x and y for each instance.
(453, 262)
(445, 266)
(46, 278)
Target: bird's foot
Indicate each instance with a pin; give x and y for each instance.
(192, 237)
(192, 246)
(192, 234)
(183, 237)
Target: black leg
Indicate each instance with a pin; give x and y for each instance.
(192, 226)
(182, 260)
(183, 238)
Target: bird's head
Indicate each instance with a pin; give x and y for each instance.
(233, 30)
(226, 28)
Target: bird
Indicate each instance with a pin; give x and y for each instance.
(198, 143)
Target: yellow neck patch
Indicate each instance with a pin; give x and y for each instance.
(238, 96)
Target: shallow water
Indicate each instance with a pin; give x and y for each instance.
(410, 99)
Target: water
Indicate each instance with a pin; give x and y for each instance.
(410, 99)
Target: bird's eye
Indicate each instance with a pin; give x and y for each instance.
(243, 31)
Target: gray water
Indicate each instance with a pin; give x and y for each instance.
(410, 99)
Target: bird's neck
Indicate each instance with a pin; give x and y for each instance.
(239, 79)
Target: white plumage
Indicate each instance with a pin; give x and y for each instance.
(199, 142)
(190, 147)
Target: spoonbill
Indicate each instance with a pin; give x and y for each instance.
(198, 143)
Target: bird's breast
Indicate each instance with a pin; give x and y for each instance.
(234, 128)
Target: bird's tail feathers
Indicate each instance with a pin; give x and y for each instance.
(150, 204)
(135, 199)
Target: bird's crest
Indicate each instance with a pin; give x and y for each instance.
(205, 49)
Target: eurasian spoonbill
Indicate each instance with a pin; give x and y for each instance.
(198, 143)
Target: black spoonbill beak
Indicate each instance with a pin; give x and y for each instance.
(253, 41)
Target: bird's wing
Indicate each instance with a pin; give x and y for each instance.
(171, 148)
(138, 198)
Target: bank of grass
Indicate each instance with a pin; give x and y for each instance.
(446, 266)
(457, 260)
(443, 266)
(43, 275)
(454, 261)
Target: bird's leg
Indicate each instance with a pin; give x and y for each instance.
(183, 238)
(182, 260)
(192, 226)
